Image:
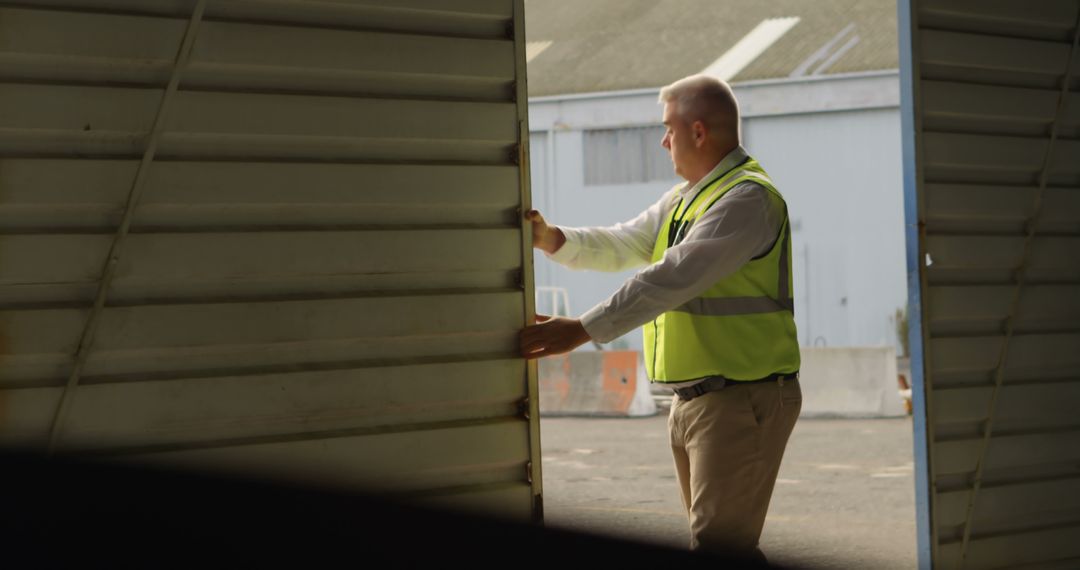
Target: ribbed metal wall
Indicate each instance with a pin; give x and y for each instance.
(277, 236)
(992, 120)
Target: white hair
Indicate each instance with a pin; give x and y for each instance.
(707, 99)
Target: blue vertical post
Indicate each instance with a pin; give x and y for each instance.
(915, 255)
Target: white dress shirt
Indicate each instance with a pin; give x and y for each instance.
(740, 226)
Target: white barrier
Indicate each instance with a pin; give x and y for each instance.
(850, 382)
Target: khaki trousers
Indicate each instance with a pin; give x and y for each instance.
(727, 446)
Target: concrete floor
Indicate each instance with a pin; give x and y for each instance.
(844, 498)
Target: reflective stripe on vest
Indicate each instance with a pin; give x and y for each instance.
(748, 305)
(742, 327)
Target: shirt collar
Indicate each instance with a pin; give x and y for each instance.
(730, 160)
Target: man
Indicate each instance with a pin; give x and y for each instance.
(714, 297)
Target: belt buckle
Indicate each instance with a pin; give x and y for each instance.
(690, 392)
(709, 385)
(699, 389)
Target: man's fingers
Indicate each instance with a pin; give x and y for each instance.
(532, 345)
(541, 347)
(530, 337)
(530, 333)
(535, 341)
(546, 339)
(533, 352)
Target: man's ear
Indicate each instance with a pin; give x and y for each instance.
(700, 133)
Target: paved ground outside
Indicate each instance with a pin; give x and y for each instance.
(844, 498)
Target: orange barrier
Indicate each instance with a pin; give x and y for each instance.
(593, 383)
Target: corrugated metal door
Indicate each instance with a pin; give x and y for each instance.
(992, 141)
(278, 236)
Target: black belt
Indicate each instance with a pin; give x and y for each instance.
(714, 383)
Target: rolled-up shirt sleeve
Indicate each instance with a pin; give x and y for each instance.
(744, 224)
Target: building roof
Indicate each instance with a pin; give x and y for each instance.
(580, 46)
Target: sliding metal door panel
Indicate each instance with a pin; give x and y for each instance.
(275, 237)
(992, 152)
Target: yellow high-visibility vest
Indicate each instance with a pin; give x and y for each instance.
(743, 326)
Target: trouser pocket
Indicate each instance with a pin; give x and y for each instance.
(790, 393)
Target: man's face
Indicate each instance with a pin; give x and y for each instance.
(678, 139)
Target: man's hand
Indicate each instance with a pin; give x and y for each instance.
(545, 237)
(552, 336)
